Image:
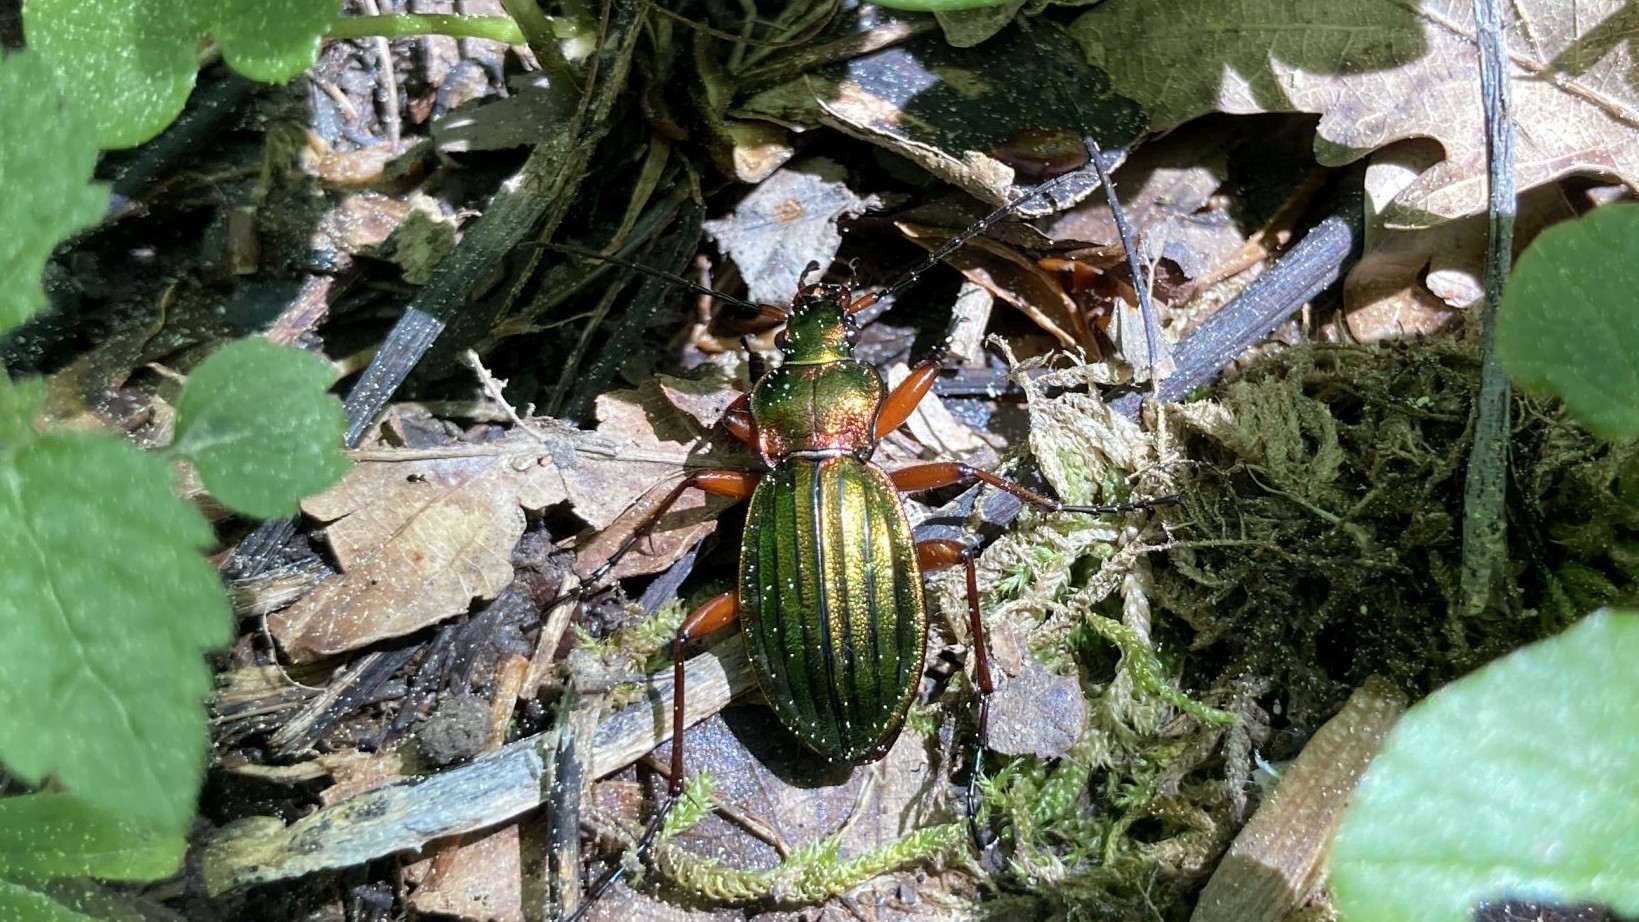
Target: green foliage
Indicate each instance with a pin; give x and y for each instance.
(1567, 324)
(106, 602)
(105, 607)
(692, 805)
(815, 871)
(1036, 806)
(1515, 781)
(47, 836)
(22, 903)
(256, 422)
(131, 65)
(45, 174)
(1149, 674)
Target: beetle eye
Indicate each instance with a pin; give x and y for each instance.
(781, 340)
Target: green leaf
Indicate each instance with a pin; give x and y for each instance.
(272, 41)
(258, 423)
(105, 607)
(131, 64)
(21, 904)
(55, 835)
(1568, 324)
(1516, 781)
(46, 191)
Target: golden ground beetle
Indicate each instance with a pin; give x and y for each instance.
(830, 593)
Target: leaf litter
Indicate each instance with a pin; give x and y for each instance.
(1315, 485)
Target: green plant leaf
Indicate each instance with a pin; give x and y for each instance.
(1513, 782)
(46, 191)
(131, 65)
(105, 607)
(272, 41)
(56, 835)
(23, 904)
(258, 423)
(1568, 324)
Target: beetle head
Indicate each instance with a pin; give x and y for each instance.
(820, 327)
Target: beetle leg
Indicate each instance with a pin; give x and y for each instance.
(737, 420)
(944, 473)
(736, 485)
(937, 554)
(901, 402)
(716, 612)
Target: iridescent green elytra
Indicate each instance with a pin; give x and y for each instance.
(831, 603)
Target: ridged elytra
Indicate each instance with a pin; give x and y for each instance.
(829, 595)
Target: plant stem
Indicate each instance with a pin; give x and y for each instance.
(397, 25)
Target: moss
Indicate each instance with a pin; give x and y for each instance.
(1317, 543)
(814, 872)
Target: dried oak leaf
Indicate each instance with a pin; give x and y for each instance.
(1422, 280)
(416, 541)
(1379, 71)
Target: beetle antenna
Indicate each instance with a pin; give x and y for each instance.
(955, 243)
(672, 277)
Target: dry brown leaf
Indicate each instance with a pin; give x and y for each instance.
(1011, 277)
(1170, 190)
(661, 418)
(480, 880)
(1380, 71)
(787, 222)
(416, 541)
(1421, 281)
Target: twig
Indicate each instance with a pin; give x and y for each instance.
(1484, 523)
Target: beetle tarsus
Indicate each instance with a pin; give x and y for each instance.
(982, 836)
(618, 873)
(1132, 506)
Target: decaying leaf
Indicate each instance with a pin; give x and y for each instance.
(1015, 278)
(1421, 280)
(787, 222)
(946, 108)
(416, 541)
(478, 879)
(615, 499)
(1381, 71)
(1174, 191)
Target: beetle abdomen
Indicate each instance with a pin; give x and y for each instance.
(831, 603)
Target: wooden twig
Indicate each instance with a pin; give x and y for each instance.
(1484, 521)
